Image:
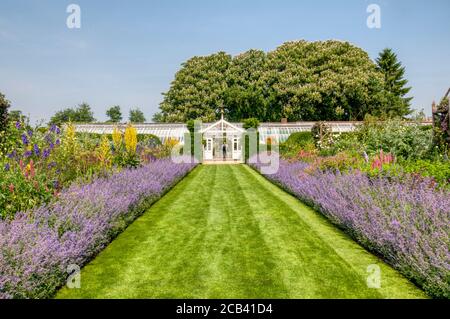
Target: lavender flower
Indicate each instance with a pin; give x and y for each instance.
(36, 149)
(24, 139)
(12, 155)
(18, 125)
(76, 227)
(405, 221)
(46, 153)
(28, 154)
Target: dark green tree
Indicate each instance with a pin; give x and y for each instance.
(300, 80)
(397, 104)
(197, 91)
(136, 116)
(4, 106)
(81, 114)
(114, 114)
(17, 116)
(84, 113)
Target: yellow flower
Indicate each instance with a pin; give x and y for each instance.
(117, 138)
(170, 142)
(105, 152)
(130, 139)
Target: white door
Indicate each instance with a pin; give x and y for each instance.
(236, 149)
(208, 150)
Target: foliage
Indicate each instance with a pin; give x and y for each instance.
(394, 84)
(115, 114)
(405, 222)
(29, 174)
(82, 114)
(322, 134)
(341, 162)
(17, 116)
(197, 91)
(58, 157)
(4, 106)
(297, 142)
(438, 170)
(251, 123)
(403, 139)
(441, 129)
(76, 228)
(323, 80)
(136, 116)
(148, 140)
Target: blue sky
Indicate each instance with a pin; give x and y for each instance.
(127, 52)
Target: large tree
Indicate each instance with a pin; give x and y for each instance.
(197, 91)
(324, 80)
(81, 114)
(115, 114)
(136, 116)
(4, 106)
(248, 94)
(394, 84)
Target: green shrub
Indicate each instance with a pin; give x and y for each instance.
(148, 140)
(295, 143)
(402, 139)
(341, 162)
(251, 123)
(300, 138)
(439, 170)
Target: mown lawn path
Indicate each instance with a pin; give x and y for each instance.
(226, 232)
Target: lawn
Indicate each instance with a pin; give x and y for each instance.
(226, 232)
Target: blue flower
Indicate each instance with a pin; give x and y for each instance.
(51, 165)
(24, 139)
(53, 128)
(55, 184)
(36, 149)
(46, 153)
(58, 131)
(30, 133)
(18, 126)
(7, 167)
(58, 142)
(12, 155)
(28, 153)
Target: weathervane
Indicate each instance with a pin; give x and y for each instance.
(222, 112)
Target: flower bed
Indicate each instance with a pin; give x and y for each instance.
(406, 222)
(37, 247)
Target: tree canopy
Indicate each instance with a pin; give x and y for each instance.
(115, 114)
(81, 114)
(4, 106)
(394, 83)
(323, 80)
(136, 116)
